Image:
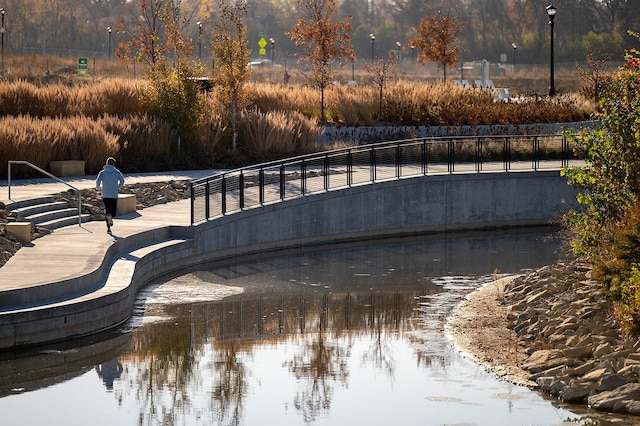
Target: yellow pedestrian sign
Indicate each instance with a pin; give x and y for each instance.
(262, 43)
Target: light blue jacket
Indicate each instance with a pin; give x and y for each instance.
(111, 180)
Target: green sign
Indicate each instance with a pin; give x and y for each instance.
(83, 66)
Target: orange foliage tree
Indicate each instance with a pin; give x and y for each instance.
(323, 41)
(436, 38)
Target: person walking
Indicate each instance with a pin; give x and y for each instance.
(110, 179)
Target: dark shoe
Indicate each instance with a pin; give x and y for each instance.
(109, 231)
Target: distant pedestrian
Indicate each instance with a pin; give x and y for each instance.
(111, 180)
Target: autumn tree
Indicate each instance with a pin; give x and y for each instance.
(323, 41)
(607, 227)
(229, 46)
(147, 41)
(379, 71)
(158, 40)
(436, 38)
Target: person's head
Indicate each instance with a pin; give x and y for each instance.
(111, 161)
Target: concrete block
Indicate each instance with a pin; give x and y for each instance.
(126, 203)
(21, 230)
(67, 168)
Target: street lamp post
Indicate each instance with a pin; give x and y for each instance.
(109, 52)
(551, 11)
(373, 42)
(514, 56)
(399, 46)
(2, 31)
(273, 42)
(412, 47)
(199, 40)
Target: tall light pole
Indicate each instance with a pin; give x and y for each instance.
(273, 50)
(2, 31)
(109, 31)
(551, 11)
(412, 57)
(514, 56)
(373, 42)
(199, 40)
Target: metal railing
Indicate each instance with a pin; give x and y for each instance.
(277, 181)
(33, 166)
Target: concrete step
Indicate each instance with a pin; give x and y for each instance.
(51, 215)
(30, 202)
(27, 211)
(46, 212)
(65, 221)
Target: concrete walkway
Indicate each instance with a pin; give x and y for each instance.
(76, 251)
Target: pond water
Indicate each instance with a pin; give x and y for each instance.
(347, 335)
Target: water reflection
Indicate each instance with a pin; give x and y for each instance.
(109, 371)
(347, 336)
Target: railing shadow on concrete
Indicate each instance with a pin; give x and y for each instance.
(277, 181)
(57, 179)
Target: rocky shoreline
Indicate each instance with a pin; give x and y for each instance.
(552, 330)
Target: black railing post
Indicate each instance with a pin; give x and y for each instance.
(565, 152)
(303, 177)
(241, 189)
(193, 201)
(450, 156)
(207, 200)
(398, 161)
(282, 177)
(425, 168)
(261, 186)
(536, 148)
(223, 192)
(479, 154)
(349, 168)
(372, 164)
(325, 166)
(507, 154)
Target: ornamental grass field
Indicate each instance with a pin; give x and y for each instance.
(90, 119)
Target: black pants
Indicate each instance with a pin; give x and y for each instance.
(110, 206)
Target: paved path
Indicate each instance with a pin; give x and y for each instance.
(75, 250)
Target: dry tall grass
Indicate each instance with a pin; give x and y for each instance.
(90, 120)
(277, 133)
(42, 140)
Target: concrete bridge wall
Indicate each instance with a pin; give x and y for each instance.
(428, 204)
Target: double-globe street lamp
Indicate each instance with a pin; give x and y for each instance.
(551, 12)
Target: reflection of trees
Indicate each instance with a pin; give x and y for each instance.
(319, 366)
(380, 353)
(163, 368)
(199, 357)
(229, 384)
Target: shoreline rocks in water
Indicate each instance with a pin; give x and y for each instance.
(552, 330)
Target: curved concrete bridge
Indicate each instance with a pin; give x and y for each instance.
(79, 280)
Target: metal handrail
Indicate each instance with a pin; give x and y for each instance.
(33, 166)
(275, 181)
